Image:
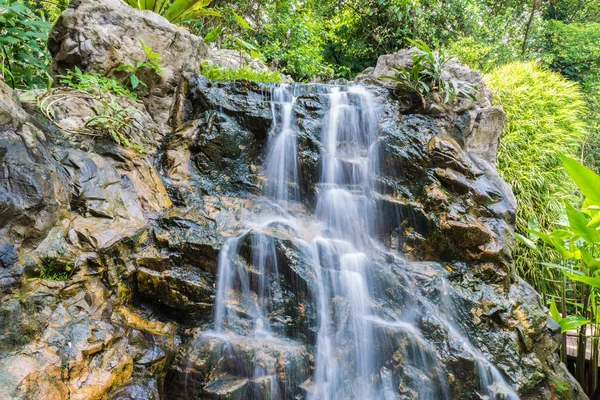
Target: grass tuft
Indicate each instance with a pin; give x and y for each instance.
(215, 73)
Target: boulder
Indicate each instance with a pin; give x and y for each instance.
(101, 36)
(233, 59)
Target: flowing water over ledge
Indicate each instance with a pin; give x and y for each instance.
(362, 297)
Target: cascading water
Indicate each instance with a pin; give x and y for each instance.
(351, 333)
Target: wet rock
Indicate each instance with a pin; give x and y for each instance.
(223, 366)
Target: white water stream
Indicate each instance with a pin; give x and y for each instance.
(346, 362)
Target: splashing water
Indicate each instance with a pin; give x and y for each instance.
(338, 242)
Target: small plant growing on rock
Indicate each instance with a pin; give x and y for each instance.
(111, 120)
(55, 271)
(95, 83)
(152, 61)
(426, 76)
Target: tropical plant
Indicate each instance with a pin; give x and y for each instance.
(425, 76)
(24, 56)
(177, 11)
(216, 73)
(152, 61)
(577, 242)
(545, 117)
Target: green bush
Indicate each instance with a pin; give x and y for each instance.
(574, 50)
(545, 117)
(215, 73)
(24, 57)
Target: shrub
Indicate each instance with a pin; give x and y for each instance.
(216, 73)
(574, 51)
(24, 57)
(545, 117)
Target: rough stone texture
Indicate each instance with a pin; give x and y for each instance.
(233, 59)
(100, 36)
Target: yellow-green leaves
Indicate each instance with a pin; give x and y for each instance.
(569, 323)
(572, 323)
(578, 222)
(178, 11)
(242, 22)
(586, 180)
(213, 34)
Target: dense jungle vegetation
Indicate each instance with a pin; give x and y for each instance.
(540, 57)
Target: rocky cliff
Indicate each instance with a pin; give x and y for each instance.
(138, 239)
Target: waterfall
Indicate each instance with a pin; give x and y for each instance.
(351, 336)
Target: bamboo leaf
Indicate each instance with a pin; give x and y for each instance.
(572, 323)
(588, 280)
(554, 313)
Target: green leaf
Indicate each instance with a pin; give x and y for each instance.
(213, 35)
(554, 313)
(588, 280)
(555, 242)
(595, 222)
(572, 323)
(586, 180)
(134, 81)
(242, 22)
(244, 44)
(179, 8)
(578, 222)
(526, 241)
(590, 261)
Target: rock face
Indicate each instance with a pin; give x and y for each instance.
(109, 258)
(101, 36)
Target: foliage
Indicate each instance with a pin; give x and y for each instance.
(177, 11)
(573, 50)
(476, 55)
(50, 9)
(544, 118)
(55, 271)
(152, 61)
(216, 73)
(117, 122)
(95, 83)
(425, 76)
(299, 53)
(24, 57)
(577, 242)
(111, 120)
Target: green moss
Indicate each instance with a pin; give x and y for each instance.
(225, 74)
